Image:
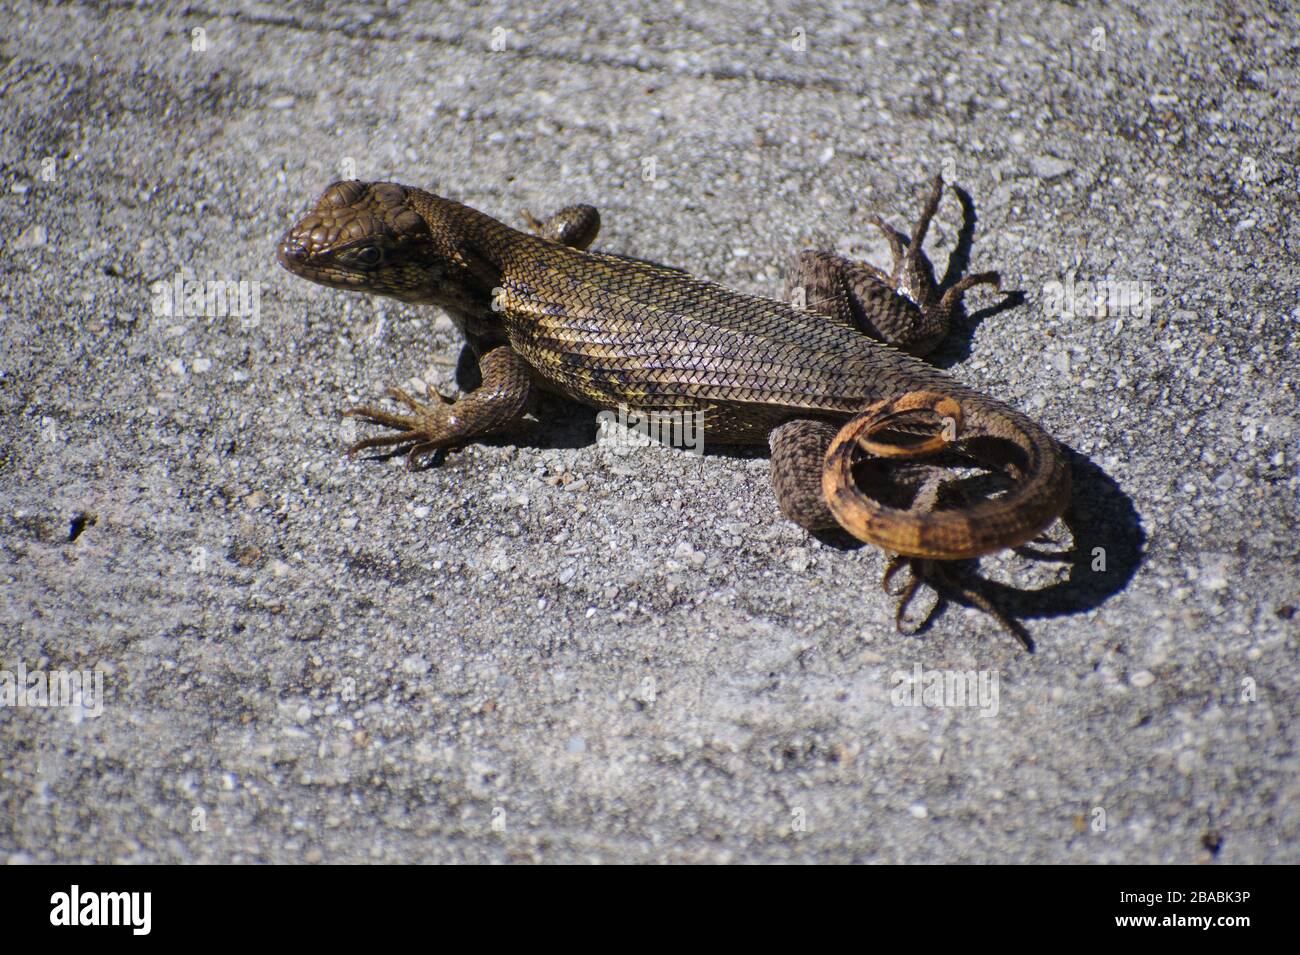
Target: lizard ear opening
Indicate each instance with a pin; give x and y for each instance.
(408, 221)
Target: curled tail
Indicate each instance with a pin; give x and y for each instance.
(988, 431)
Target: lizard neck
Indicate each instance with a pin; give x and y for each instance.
(467, 237)
(475, 248)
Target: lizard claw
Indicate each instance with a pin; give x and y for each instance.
(384, 441)
(415, 404)
(941, 579)
(381, 417)
(907, 592)
(411, 430)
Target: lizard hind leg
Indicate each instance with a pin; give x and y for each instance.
(913, 274)
(908, 430)
(798, 452)
(905, 307)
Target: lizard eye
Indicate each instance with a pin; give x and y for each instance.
(368, 255)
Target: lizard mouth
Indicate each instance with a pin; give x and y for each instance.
(297, 258)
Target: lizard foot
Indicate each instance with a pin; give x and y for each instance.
(498, 404)
(430, 428)
(941, 578)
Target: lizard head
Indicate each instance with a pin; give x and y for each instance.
(366, 237)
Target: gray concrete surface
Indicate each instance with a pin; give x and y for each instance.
(548, 650)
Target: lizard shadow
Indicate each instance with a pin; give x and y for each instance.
(956, 346)
(1109, 545)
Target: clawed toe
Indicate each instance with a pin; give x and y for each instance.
(907, 592)
(424, 431)
(896, 239)
(420, 445)
(398, 395)
(941, 579)
(382, 417)
(419, 452)
(408, 429)
(415, 404)
(385, 441)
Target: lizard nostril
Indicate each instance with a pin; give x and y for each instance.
(291, 253)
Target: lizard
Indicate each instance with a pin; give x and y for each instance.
(835, 386)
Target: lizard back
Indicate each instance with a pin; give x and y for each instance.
(607, 330)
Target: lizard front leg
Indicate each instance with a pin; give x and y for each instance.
(498, 403)
(574, 226)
